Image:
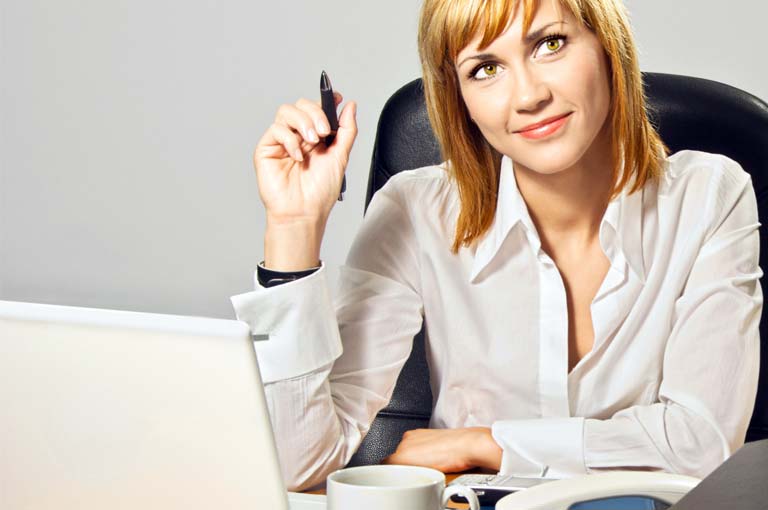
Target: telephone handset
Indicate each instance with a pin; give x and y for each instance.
(633, 490)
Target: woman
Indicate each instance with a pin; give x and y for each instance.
(587, 299)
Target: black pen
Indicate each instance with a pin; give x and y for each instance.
(329, 108)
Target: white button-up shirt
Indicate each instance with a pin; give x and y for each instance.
(669, 384)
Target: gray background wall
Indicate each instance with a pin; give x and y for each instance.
(127, 128)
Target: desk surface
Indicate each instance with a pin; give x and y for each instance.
(738, 483)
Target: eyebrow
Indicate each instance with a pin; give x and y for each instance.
(529, 38)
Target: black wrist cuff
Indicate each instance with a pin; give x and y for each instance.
(270, 278)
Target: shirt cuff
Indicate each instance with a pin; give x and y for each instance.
(266, 277)
(300, 322)
(545, 447)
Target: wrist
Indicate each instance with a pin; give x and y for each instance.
(483, 450)
(293, 245)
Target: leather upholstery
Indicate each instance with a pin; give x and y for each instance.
(690, 113)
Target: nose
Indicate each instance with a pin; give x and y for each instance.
(530, 93)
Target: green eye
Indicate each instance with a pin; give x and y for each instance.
(551, 45)
(485, 71)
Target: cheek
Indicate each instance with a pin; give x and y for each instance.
(593, 86)
(486, 105)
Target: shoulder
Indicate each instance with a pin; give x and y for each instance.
(705, 186)
(419, 182)
(427, 198)
(398, 226)
(702, 172)
(428, 188)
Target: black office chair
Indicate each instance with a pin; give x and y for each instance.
(690, 113)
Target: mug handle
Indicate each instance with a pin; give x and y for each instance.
(465, 492)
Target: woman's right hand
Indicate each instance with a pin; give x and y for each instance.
(299, 180)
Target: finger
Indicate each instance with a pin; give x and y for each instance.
(316, 113)
(337, 97)
(289, 140)
(347, 132)
(269, 146)
(298, 120)
(275, 149)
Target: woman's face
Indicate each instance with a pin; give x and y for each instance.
(540, 98)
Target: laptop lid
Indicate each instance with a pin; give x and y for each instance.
(124, 410)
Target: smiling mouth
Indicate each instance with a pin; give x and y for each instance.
(544, 128)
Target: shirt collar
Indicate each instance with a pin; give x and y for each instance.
(623, 215)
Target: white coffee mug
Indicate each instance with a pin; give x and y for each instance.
(391, 487)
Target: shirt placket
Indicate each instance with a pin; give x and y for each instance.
(553, 340)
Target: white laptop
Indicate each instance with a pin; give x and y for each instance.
(123, 410)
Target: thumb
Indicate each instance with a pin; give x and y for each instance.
(347, 132)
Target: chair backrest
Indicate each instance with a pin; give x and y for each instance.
(690, 113)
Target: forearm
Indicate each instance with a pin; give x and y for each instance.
(661, 437)
(295, 364)
(665, 437)
(320, 415)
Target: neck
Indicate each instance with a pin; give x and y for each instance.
(568, 206)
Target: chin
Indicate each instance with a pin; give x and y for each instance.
(547, 161)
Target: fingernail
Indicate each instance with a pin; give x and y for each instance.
(322, 127)
(297, 155)
(312, 136)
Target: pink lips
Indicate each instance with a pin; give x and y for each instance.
(544, 128)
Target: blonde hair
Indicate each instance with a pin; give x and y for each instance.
(447, 26)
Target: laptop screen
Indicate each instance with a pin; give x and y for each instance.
(108, 409)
